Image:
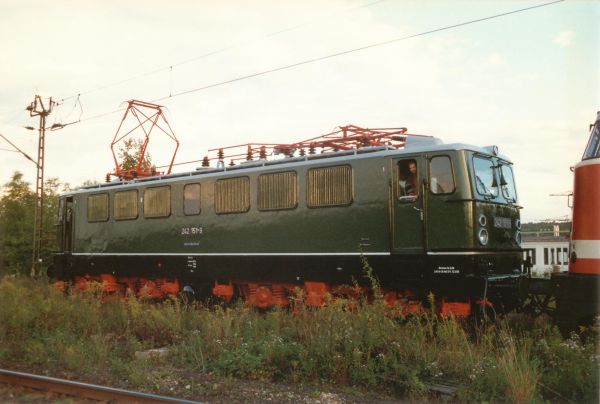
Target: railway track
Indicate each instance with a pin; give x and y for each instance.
(84, 390)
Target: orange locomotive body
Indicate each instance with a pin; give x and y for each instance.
(577, 291)
(585, 237)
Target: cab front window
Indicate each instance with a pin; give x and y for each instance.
(593, 148)
(485, 178)
(507, 182)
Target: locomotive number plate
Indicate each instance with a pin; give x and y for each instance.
(191, 235)
(192, 231)
(502, 222)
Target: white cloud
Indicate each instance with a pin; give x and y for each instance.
(564, 38)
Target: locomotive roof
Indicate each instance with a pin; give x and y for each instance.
(417, 146)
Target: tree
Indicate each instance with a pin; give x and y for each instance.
(87, 183)
(16, 223)
(129, 154)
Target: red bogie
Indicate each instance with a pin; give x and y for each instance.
(222, 291)
(456, 309)
(265, 296)
(159, 288)
(315, 293)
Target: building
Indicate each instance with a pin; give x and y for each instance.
(547, 245)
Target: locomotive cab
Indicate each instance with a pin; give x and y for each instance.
(459, 209)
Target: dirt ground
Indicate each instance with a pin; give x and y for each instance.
(208, 389)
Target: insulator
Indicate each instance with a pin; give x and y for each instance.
(249, 154)
(263, 153)
(289, 152)
(231, 163)
(302, 152)
(220, 154)
(205, 162)
(107, 177)
(311, 149)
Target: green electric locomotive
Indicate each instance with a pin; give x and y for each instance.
(427, 217)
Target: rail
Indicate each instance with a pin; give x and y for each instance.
(84, 390)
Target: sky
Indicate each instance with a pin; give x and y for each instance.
(528, 82)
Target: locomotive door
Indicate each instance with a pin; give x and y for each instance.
(406, 199)
(446, 212)
(67, 224)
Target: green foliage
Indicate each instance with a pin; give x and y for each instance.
(16, 224)
(346, 343)
(129, 155)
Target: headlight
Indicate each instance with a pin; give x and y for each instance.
(483, 236)
(518, 237)
(482, 220)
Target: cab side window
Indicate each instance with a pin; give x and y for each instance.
(441, 178)
(191, 199)
(408, 184)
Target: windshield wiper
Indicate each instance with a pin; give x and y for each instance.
(487, 193)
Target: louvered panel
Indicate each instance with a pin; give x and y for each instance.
(278, 191)
(97, 208)
(157, 202)
(125, 205)
(232, 195)
(330, 186)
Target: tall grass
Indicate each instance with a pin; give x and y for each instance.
(346, 343)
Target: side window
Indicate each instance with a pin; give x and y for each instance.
(232, 195)
(330, 186)
(157, 202)
(191, 199)
(97, 208)
(441, 178)
(278, 191)
(126, 205)
(408, 179)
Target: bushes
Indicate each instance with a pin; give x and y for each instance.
(517, 359)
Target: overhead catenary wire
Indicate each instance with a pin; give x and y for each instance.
(217, 51)
(346, 52)
(333, 55)
(17, 150)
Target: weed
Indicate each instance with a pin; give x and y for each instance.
(347, 343)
